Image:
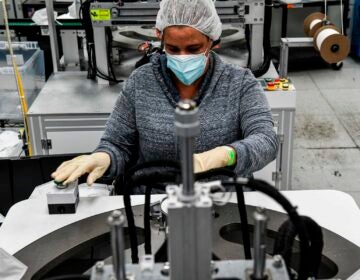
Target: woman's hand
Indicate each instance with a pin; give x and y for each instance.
(215, 158)
(95, 165)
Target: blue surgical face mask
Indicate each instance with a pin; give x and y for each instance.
(187, 68)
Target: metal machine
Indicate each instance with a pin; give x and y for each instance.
(240, 12)
(189, 229)
(83, 106)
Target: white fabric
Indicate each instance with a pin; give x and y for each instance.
(71, 12)
(84, 190)
(324, 34)
(10, 267)
(10, 144)
(198, 14)
(40, 17)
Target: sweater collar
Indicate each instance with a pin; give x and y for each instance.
(163, 76)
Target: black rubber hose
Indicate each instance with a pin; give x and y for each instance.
(293, 215)
(152, 178)
(285, 240)
(129, 184)
(317, 244)
(266, 41)
(147, 228)
(131, 224)
(245, 231)
(151, 164)
(69, 277)
(215, 172)
(243, 222)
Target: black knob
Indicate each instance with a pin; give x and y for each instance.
(335, 48)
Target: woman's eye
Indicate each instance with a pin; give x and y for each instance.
(173, 50)
(194, 50)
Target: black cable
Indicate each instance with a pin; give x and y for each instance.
(147, 229)
(293, 215)
(245, 231)
(152, 178)
(266, 41)
(243, 222)
(93, 71)
(151, 164)
(131, 224)
(109, 40)
(284, 242)
(286, 237)
(69, 277)
(214, 173)
(317, 244)
(129, 183)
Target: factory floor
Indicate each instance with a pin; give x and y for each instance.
(327, 129)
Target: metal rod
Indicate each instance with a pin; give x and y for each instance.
(260, 244)
(187, 128)
(187, 166)
(116, 222)
(52, 34)
(284, 56)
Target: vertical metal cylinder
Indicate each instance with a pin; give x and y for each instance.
(116, 222)
(260, 220)
(187, 165)
(52, 34)
(187, 127)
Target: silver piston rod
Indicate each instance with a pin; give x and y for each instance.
(260, 220)
(187, 128)
(116, 222)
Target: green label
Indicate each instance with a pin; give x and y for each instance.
(100, 14)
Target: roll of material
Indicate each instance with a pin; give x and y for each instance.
(332, 45)
(328, 40)
(314, 26)
(312, 23)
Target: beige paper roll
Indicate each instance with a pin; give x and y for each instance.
(310, 20)
(333, 46)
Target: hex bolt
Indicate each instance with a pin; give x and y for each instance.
(116, 222)
(166, 269)
(260, 222)
(99, 266)
(277, 261)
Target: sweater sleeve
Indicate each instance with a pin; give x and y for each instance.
(259, 145)
(120, 136)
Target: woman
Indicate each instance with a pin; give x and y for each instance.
(235, 120)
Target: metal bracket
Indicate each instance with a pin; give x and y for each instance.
(276, 176)
(281, 138)
(44, 31)
(287, 43)
(46, 144)
(254, 11)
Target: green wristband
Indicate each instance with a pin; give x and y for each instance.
(232, 156)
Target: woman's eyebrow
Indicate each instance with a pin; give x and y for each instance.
(189, 46)
(171, 46)
(194, 46)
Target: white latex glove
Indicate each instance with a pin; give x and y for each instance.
(10, 267)
(215, 158)
(95, 165)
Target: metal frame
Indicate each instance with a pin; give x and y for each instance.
(285, 44)
(242, 11)
(52, 34)
(284, 122)
(69, 42)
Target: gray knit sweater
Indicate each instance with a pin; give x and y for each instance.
(232, 111)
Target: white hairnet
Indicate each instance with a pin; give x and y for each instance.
(199, 14)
